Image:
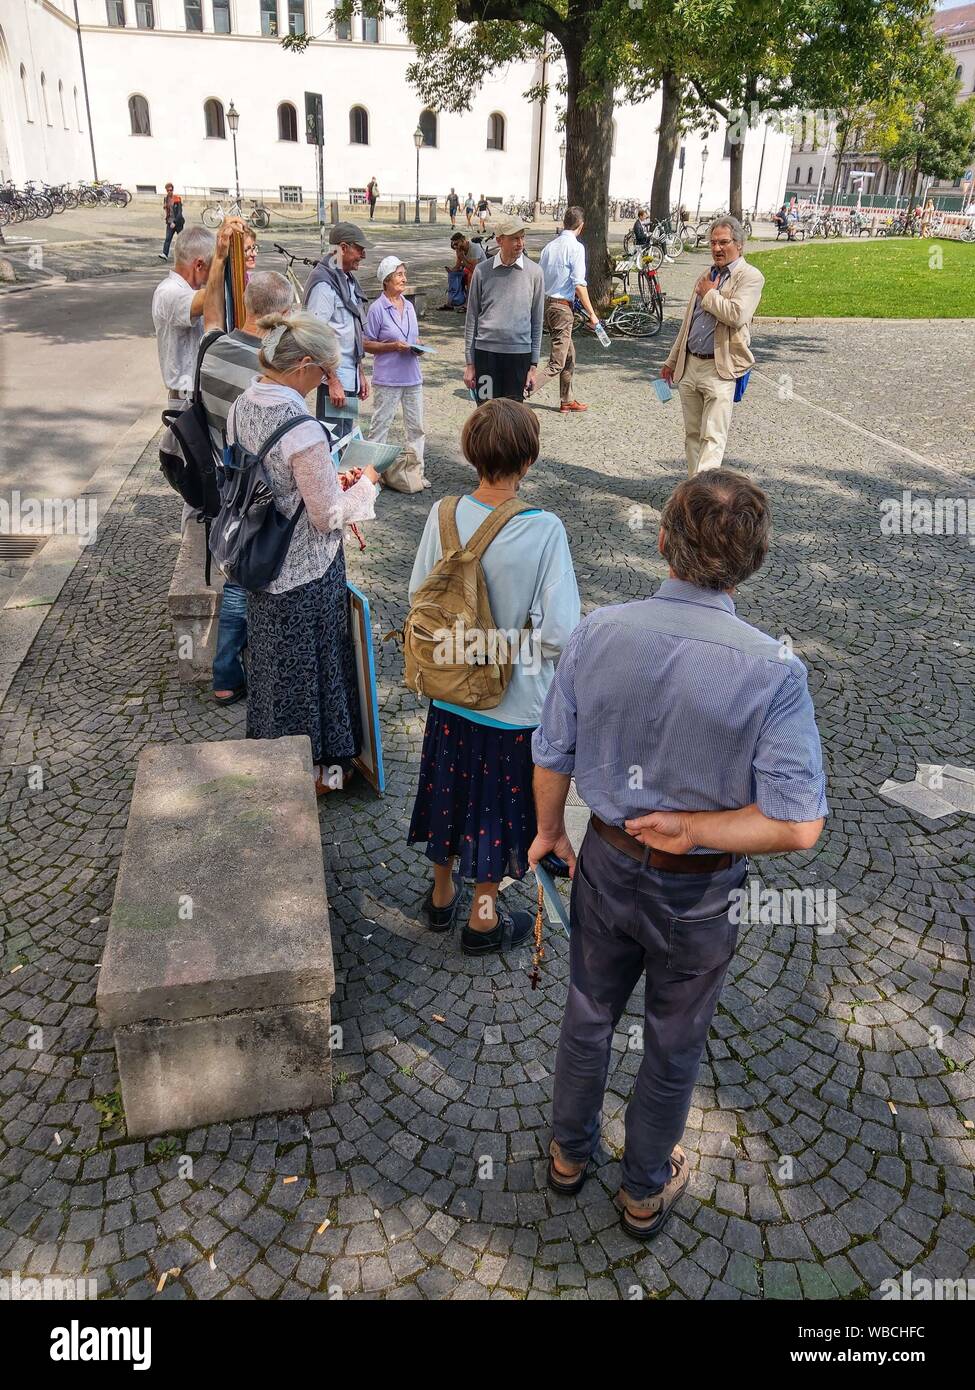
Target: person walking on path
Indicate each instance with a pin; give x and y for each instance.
(711, 350)
(692, 738)
(301, 668)
(372, 193)
(469, 209)
(451, 205)
(563, 263)
(173, 216)
(473, 807)
(505, 309)
(229, 366)
(483, 211)
(334, 295)
(391, 335)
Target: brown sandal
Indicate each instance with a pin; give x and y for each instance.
(567, 1184)
(643, 1217)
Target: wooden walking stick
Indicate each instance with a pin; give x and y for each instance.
(236, 279)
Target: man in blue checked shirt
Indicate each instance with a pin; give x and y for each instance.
(693, 740)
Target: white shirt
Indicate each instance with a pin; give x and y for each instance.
(326, 305)
(178, 333)
(563, 263)
(520, 262)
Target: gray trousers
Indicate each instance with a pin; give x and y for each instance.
(627, 920)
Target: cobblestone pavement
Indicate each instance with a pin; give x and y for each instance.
(831, 1135)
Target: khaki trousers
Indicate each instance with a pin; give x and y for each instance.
(706, 400)
(562, 360)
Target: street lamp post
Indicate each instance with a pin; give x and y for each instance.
(418, 142)
(700, 192)
(561, 171)
(233, 120)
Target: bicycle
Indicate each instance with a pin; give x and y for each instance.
(625, 318)
(289, 273)
(214, 213)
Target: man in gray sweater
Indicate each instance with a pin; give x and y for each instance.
(505, 310)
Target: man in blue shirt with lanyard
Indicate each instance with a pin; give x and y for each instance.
(563, 263)
(692, 738)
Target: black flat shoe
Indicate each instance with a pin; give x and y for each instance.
(232, 698)
(513, 929)
(440, 919)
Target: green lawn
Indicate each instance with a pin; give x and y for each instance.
(887, 278)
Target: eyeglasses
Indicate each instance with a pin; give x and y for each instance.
(727, 242)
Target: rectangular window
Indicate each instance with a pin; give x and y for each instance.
(221, 16)
(290, 193)
(193, 11)
(370, 22)
(116, 13)
(219, 192)
(343, 29)
(269, 18)
(296, 16)
(144, 16)
(146, 188)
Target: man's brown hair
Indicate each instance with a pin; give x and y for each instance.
(499, 438)
(716, 529)
(573, 219)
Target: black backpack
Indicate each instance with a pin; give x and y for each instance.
(193, 472)
(250, 536)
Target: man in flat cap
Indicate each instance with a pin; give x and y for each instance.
(334, 295)
(505, 309)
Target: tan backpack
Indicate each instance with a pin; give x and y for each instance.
(452, 649)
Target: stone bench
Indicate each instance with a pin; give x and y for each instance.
(217, 974)
(194, 608)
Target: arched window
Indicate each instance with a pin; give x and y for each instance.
(25, 88)
(958, 73)
(798, 173)
(213, 118)
(64, 114)
(495, 139)
(428, 124)
(287, 122)
(77, 110)
(809, 175)
(358, 126)
(139, 116)
(47, 113)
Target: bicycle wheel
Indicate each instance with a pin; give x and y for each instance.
(653, 257)
(88, 197)
(675, 245)
(212, 217)
(635, 323)
(261, 218)
(70, 200)
(44, 205)
(120, 199)
(628, 244)
(748, 227)
(646, 282)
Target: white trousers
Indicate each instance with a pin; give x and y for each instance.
(386, 401)
(706, 400)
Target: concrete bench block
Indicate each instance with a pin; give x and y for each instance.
(193, 607)
(217, 972)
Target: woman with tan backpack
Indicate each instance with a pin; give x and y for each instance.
(494, 600)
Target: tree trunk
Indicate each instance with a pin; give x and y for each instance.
(668, 140)
(737, 165)
(588, 148)
(915, 172)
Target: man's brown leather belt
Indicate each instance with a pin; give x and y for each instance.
(658, 858)
(704, 356)
(558, 299)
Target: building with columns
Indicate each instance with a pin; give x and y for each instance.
(138, 90)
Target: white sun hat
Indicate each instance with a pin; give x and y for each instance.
(386, 267)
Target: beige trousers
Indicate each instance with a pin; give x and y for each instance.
(562, 361)
(706, 400)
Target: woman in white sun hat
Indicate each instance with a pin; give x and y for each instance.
(392, 336)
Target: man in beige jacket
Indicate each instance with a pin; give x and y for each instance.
(711, 350)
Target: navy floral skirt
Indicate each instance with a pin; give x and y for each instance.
(474, 798)
(301, 667)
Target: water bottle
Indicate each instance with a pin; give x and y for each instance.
(601, 333)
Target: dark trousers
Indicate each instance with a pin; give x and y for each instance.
(501, 374)
(628, 920)
(170, 233)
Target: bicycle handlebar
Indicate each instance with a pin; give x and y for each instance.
(303, 260)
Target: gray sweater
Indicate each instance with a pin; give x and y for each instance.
(505, 308)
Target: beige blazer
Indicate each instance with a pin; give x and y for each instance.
(732, 307)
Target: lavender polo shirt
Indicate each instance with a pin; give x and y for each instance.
(385, 325)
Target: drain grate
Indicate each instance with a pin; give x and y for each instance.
(20, 547)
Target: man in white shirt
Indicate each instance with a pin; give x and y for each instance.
(189, 302)
(563, 263)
